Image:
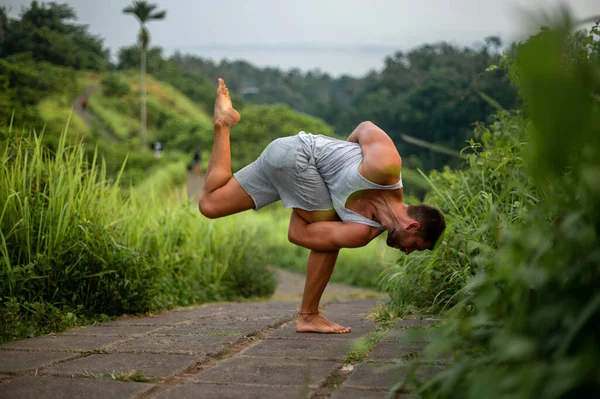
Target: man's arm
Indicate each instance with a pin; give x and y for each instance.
(381, 161)
(329, 236)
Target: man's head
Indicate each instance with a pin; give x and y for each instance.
(425, 226)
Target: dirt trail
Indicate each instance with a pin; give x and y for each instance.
(86, 116)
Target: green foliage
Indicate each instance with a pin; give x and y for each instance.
(163, 179)
(493, 190)
(73, 245)
(526, 324)
(173, 119)
(24, 82)
(114, 86)
(194, 85)
(434, 92)
(144, 12)
(56, 112)
(44, 32)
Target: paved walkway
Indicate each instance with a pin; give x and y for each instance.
(222, 350)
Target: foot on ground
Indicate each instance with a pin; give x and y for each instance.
(225, 115)
(318, 324)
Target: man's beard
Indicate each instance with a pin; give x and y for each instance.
(397, 237)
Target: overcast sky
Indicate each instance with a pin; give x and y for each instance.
(250, 29)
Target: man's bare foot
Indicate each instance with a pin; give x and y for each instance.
(318, 324)
(225, 115)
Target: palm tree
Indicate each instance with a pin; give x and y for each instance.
(144, 12)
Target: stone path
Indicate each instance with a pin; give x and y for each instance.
(222, 350)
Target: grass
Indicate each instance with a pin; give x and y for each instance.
(106, 110)
(121, 115)
(56, 111)
(75, 246)
(169, 97)
(491, 192)
(363, 347)
(131, 375)
(163, 178)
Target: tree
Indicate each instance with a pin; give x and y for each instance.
(49, 33)
(144, 12)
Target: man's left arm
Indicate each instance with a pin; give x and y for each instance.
(329, 236)
(381, 161)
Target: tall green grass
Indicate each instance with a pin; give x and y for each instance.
(75, 245)
(491, 192)
(526, 265)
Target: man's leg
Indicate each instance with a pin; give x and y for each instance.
(318, 272)
(221, 194)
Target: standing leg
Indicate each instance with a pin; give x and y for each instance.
(318, 272)
(221, 194)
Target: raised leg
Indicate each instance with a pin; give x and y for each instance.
(221, 194)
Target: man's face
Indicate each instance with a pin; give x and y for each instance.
(407, 240)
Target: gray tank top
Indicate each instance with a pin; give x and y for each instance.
(337, 162)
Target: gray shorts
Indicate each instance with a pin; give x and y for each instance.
(285, 171)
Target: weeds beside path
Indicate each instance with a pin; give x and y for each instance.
(243, 349)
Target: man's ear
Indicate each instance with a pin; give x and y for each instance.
(413, 226)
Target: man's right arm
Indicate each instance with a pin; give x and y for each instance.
(329, 236)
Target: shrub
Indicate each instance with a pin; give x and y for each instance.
(526, 325)
(73, 245)
(114, 86)
(491, 192)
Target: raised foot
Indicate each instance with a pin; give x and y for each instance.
(225, 115)
(316, 323)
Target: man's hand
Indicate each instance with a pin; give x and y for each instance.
(329, 236)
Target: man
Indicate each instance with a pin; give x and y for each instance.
(343, 195)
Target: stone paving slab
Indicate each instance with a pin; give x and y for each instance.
(14, 361)
(289, 331)
(243, 328)
(347, 393)
(182, 344)
(243, 319)
(357, 325)
(384, 375)
(299, 348)
(390, 351)
(112, 330)
(231, 391)
(257, 370)
(38, 387)
(167, 319)
(63, 343)
(149, 365)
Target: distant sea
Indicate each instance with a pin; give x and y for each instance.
(333, 60)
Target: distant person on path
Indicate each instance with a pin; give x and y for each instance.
(158, 149)
(197, 163)
(343, 195)
(84, 103)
